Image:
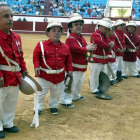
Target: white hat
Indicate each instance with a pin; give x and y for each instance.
(75, 17)
(106, 22)
(131, 23)
(29, 85)
(53, 23)
(119, 22)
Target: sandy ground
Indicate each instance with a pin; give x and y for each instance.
(92, 119)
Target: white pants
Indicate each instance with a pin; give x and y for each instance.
(138, 64)
(8, 104)
(55, 93)
(132, 67)
(109, 72)
(78, 79)
(95, 69)
(118, 65)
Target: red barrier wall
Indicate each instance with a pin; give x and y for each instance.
(27, 27)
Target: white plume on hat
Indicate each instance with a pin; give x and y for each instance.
(119, 22)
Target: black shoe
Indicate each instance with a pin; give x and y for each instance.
(39, 112)
(81, 98)
(138, 76)
(112, 82)
(68, 105)
(13, 129)
(125, 77)
(53, 111)
(97, 92)
(2, 134)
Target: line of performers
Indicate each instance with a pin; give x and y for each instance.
(52, 59)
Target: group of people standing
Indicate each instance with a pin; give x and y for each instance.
(53, 59)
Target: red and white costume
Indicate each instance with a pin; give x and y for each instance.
(77, 45)
(100, 58)
(12, 48)
(130, 56)
(111, 60)
(119, 44)
(58, 58)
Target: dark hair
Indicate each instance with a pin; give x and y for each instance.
(70, 24)
(48, 30)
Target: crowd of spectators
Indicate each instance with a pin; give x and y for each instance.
(66, 8)
(136, 9)
(29, 7)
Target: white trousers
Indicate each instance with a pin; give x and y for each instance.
(109, 72)
(138, 64)
(8, 104)
(132, 68)
(78, 79)
(118, 65)
(55, 93)
(95, 69)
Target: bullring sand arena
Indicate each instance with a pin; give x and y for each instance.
(92, 119)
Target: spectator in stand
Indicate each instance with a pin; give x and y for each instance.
(89, 12)
(82, 9)
(88, 5)
(136, 2)
(94, 15)
(37, 12)
(71, 5)
(85, 4)
(133, 10)
(133, 16)
(100, 6)
(14, 6)
(93, 7)
(139, 11)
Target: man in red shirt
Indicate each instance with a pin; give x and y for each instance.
(119, 46)
(111, 55)
(132, 46)
(12, 65)
(51, 59)
(100, 55)
(78, 48)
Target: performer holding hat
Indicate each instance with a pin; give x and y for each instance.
(51, 59)
(111, 55)
(12, 65)
(132, 46)
(78, 48)
(119, 47)
(100, 55)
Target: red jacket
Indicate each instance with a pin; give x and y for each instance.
(138, 52)
(101, 44)
(112, 53)
(131, 56)
(10, 48)
(57, 56)
(121, 37)
(78, 53)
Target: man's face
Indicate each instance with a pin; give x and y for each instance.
(120, 27)
(55, 34)
(76, 27)
(6, 18)
(103, 29)
(131, 29)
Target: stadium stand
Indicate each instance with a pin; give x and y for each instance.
(28, 7)
(136, 9)
(93, 8)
